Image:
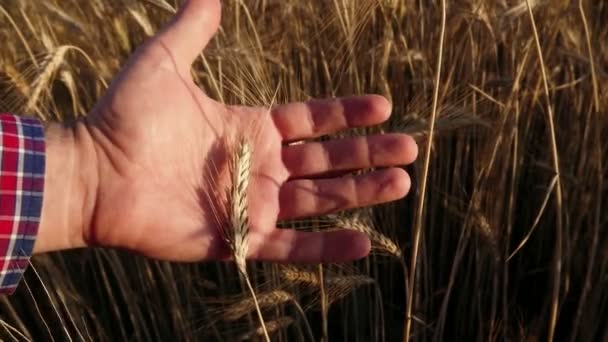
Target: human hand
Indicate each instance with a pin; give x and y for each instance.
(146, 152)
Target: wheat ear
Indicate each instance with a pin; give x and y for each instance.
(268, 299)
(274, 298)
(238, 234)
(238, 230)
(338, 285)
(50, 66)
(380, 241)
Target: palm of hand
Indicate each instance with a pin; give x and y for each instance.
(161, 143)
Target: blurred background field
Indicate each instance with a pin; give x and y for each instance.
(512, 232)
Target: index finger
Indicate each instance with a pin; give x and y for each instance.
(304, 120)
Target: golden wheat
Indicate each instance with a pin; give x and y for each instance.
(296, 275)
(337, 285)
(272, 326)
(17, 80)
(380, 241)
(142, 19)
(452, 119)
(500, 172)
(236, 233)
(246, 305)
(49, 66)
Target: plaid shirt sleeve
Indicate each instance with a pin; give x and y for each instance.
(21, 185)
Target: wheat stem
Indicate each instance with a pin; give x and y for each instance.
(324, 303)
(257, 306)
(425, 173)
(600, 179)
(557, 257)
(20, 34)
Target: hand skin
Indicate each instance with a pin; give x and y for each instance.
(132, 174)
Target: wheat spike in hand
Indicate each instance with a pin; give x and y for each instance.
(155, 134)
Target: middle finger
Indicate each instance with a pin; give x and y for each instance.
(315, 159)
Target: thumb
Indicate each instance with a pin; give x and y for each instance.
(191, 30)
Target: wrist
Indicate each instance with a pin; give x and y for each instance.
(71, 180)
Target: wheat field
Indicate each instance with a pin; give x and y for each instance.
(503, 236)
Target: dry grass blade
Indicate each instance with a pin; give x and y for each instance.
(520, 8)
(20, 34)
(557, 257)
(64, 17)
(52, 302)
(600, 178)
(536, 220)
(162, 4)
(10, 330)
(142, 19)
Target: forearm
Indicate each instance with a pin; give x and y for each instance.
(69, 191)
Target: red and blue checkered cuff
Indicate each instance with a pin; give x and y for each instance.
(21, 187)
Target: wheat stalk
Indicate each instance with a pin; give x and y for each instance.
(237, 232)
(68, 80)
(557, 257)
(425, 173)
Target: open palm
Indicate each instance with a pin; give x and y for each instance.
(162, 146)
